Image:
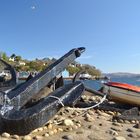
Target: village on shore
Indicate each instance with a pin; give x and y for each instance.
(26, 67)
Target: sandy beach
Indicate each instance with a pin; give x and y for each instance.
(74, 124)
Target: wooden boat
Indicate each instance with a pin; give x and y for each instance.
(122, 92)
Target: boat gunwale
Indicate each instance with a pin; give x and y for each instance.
(123, 93)
(125, 88)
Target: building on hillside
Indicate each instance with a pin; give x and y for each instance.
(85, 76)
(72, 65)
(22, 63)
(65, 73)
(12, 59)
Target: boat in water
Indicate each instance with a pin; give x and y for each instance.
(122, 92)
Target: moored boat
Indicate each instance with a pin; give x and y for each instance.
(122, 92)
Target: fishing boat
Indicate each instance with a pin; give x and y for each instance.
(122, 92)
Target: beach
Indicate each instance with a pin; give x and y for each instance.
(77, 124)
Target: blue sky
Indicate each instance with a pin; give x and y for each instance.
(109, 29)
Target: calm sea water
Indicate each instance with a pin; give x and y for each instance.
(97, 84)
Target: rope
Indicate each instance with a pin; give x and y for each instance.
(57, 99)
(85, 108)
(93, 106)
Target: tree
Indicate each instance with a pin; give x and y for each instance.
(72, 70)
(4, 56)
(13, 55)
(18, 58)
(90, 70)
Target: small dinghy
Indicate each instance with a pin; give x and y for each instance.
(122, 92)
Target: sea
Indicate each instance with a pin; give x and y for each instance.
(97, 84)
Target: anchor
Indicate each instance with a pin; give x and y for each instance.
(17, 117)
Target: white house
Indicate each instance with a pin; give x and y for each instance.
(12, 59)
(65, 73)
(22, 63)
(85, 76)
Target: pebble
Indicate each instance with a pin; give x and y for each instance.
(111, 113)
(126, 121)
(68, 129)
(40, 129)
(75, 113)
(45, 128)
(92, 98)
(55, 131)
(89, 118)
(121, 121)
(38, 138)
(27, 137)
(118, 113)
(60, 129)
(116, 129)
(67, 137)
(78, 125)
(114, 120)
(68, 122)
(104, 114)
(80, 132)
(50, 126)
(51, 133)
(34, 131)
(91, 112)
(131, 130)
(100, 124)
(5, 135)
(95, 137)
(119, 138)
(117, 124)
(77, 121)
(98, 98)
(112, 132)
(15, 137)
(98, 111)
(46, 135)
(133, 121)
(137, 125)
(132, 135)
(75, 127)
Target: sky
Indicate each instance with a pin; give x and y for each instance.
(108, 29)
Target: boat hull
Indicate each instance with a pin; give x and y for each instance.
(122, 95)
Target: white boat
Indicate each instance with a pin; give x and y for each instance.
(122, 92)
